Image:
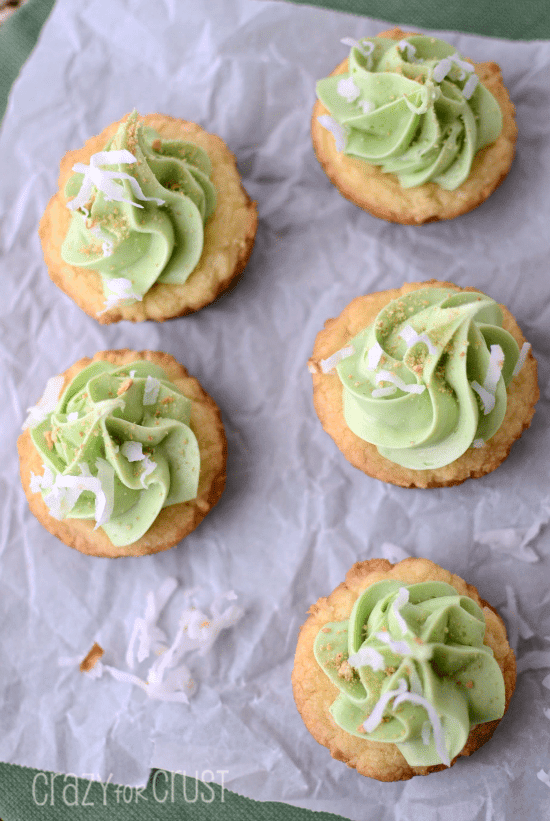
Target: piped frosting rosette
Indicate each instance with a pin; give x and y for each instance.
(412, 669)
(138, 211)
(427, 380)
(117, 448)
(413, 107)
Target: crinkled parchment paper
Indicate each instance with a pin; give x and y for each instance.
(295, 515)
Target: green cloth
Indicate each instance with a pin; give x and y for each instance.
(18, 36)
(35, 795)
(506, 19)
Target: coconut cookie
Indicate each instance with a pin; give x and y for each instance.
(411, 131)
(150, 222)
(425, 385)
(124, 455)
(402, 669)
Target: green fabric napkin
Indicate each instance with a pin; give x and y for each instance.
(506, 19)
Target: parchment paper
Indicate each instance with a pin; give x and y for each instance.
(295, 515)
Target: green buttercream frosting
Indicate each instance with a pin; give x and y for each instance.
(425, 642)
(427, 379)
(153, 236)
(414, 108)
(129, 428)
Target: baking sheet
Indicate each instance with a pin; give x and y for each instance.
(295, 515)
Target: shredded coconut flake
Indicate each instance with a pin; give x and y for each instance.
(148, 468)
(388, 376)
(330, 363)
(374, 355)
(521, 358)
(377, 714)
(464, 66)
(63, 492)
(422, 652)
(408, 48)
(478, 443)
(42, 482)
(441, 69)
(366, 49)
(367, 657)
(133, 451)
(167, 679)
(367, 106)
(103, 180)
(337, 131)
(347, 89)
(378, 392)
(46, 404)
(411, 337)
(400, 600)
(145, 630)
(151, 390)
(470, 86)
(439, 737)
(487, 398)
(494, 368)
(120, 289)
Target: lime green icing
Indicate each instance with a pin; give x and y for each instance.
(439, 655)
(448, 410)
(103, 410)
(142, 241)
(398, 112)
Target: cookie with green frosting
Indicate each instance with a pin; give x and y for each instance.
(411, 130)
(425, 385)
(124, 454)
(402, 669)
(150, 221)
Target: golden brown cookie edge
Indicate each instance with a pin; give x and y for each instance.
(522, 395)
(314, 692)
(174, 522)
(221, 262)
(381, 194)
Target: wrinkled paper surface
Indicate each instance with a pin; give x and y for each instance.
(295, 515)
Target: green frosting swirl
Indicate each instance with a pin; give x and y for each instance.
(414, 108)
(133, 237)
(451, 382)
(129, 428)
(418, 640)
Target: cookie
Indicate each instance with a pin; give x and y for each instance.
(462, 400)
(422, 595)
(163, 249)
(150, 428)
(400, 196)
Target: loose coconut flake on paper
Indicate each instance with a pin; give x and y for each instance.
(515, 540)
(168, 677)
